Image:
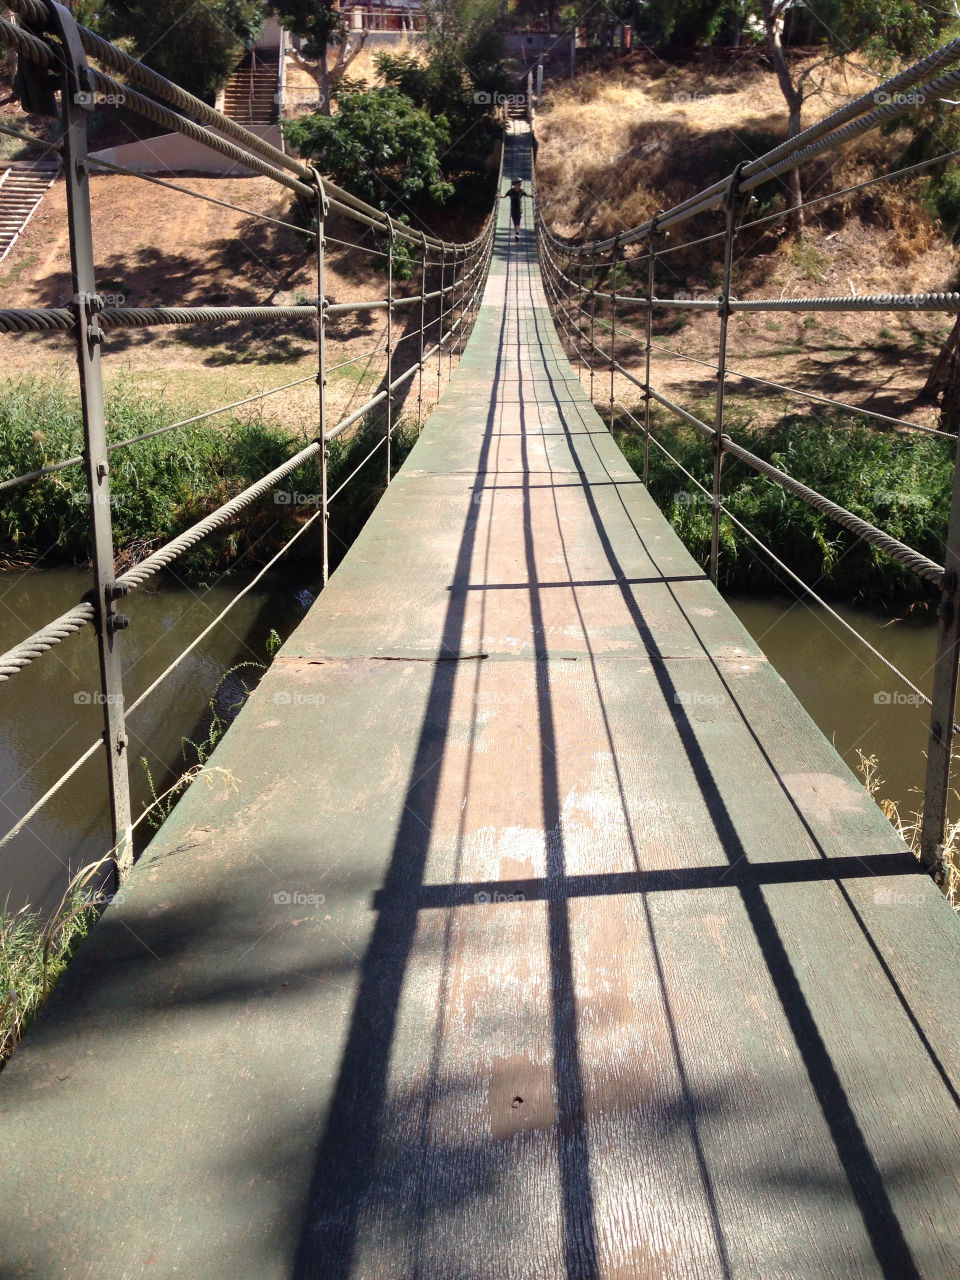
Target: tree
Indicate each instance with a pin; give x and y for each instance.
(880, 31)
(379, 145)
(197, 45)
(320, 24)
(459, 76)
(884, 30)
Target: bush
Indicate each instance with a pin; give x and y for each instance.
(160, 487)
(898, 481)
(379, 145)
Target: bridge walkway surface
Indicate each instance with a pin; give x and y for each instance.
(539, 934)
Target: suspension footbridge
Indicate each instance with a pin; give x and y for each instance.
(528, 927)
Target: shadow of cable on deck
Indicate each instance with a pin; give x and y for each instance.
(346, 1165)
(864, 1180)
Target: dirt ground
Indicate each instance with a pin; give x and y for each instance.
(616, 146)
(158, 247)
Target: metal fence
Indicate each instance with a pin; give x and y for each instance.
(592, 318)
(58, 80)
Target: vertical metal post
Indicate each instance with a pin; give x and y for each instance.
(453, 308)
(323, 205)
(77, 98)
(936, 787)
(464, 303)
(389, 342)
(423, 307)
(724, 310)
(651, 281)
(593, 314)
(579, 314)
(613, 320)
(443, 299)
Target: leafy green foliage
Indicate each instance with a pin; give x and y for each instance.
(898, 481)
(882, 29)
(197, 45)
(319, 24)
(448, 84)
(684, 23)
(379, 145)
(33, 954)
(885, 30)
(160, 487)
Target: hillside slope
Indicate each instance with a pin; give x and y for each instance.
(617, 145)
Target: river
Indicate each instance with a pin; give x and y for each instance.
(49, 716)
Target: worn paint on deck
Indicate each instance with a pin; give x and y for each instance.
(544, 935)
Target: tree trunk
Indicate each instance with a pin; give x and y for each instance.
(942, 367)
(328, 77)
(325, 82)
(773, 25)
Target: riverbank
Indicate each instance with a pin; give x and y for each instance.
(162, 485)
(900, 481)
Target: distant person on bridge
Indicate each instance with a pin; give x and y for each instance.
(516, 194)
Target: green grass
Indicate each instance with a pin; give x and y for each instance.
(160, 487)
(809, 259)
(33, 954)
(898, 481)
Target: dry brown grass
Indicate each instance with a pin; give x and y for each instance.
(158, 247)
(616, 146)
(908, 829)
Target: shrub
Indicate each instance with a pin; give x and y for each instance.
(898, 481)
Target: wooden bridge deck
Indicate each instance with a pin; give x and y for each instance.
(543, 934)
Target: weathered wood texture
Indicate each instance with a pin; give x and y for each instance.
(602, 963)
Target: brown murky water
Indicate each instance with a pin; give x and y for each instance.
(852, 696)
(49, 716)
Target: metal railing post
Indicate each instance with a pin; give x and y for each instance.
(77, 98)
(423, 308)
(724, 310)
(323, 205)
(579, 314)
(651, 283)
(936, 788)
(453, 308)
(443, 299)
(613, 320)
(593, 315)
(463, 305)
(389, 342)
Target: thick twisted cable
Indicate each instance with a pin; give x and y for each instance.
(165, 555)
(46, 320)
(26, 45)
(36, 319)
(21, 655)
(868, 302)
(141, 317)
(885, 542)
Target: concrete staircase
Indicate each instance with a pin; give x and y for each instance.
(250, 94)
(23, 185)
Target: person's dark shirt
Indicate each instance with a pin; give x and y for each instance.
(516, 202)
